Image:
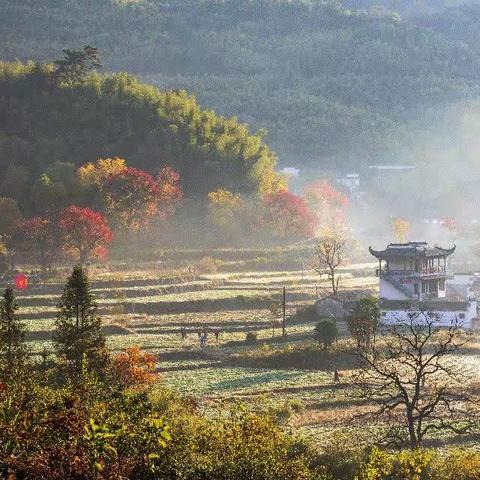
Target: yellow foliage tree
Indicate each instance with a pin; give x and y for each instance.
(223, 207)
(95, 173)
(271, 182)
(401, 227)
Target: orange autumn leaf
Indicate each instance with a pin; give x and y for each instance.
(135, 368)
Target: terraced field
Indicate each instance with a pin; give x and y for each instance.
(147, 307)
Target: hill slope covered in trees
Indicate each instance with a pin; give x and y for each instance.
(333, 86)
(408, 7)
(45, 122)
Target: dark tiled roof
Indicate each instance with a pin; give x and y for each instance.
(411, 249)
(427, 306)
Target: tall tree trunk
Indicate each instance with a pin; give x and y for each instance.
(411, 430)
(332, 279)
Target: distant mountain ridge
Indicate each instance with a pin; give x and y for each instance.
(333, 86)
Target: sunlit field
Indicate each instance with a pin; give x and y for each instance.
(148, 308)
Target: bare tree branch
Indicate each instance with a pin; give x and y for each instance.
(329, 255)
(410, 376)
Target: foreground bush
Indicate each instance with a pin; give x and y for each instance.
(92, 431)
(243, 445)
(459, 465)
(89, 430)
(408, 465)
(78, 432)
(420, 465)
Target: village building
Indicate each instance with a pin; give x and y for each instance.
(412, 271)
(413, 278)
(463, 285)
(350, 182)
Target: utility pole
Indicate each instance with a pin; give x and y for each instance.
(284, 304)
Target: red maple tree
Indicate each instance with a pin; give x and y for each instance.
(327, 204)
(84, 233)
(133, 197)
(287, 216)
(169, 192)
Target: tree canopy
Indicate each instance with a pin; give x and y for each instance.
(50, 128)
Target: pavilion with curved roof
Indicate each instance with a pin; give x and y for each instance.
(413, 270)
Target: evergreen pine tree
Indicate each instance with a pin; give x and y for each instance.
(79, 335)
(13, 351)
(76, 64)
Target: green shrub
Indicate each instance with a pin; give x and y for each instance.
(363, 321)
(251, 338)
(405, 465)
(326, 333)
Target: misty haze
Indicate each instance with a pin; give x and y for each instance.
(239, 239)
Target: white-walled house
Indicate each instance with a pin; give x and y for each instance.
(351, 181)
(444, 312)
(461, 285)
(413, 270)
(413, 278)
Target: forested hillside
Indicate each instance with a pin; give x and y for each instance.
(333, 86)
(45, 122)
(408, 7)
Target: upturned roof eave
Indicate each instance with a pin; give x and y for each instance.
(410, 252)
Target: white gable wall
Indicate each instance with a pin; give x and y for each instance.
(461, 279)
(443, 318)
